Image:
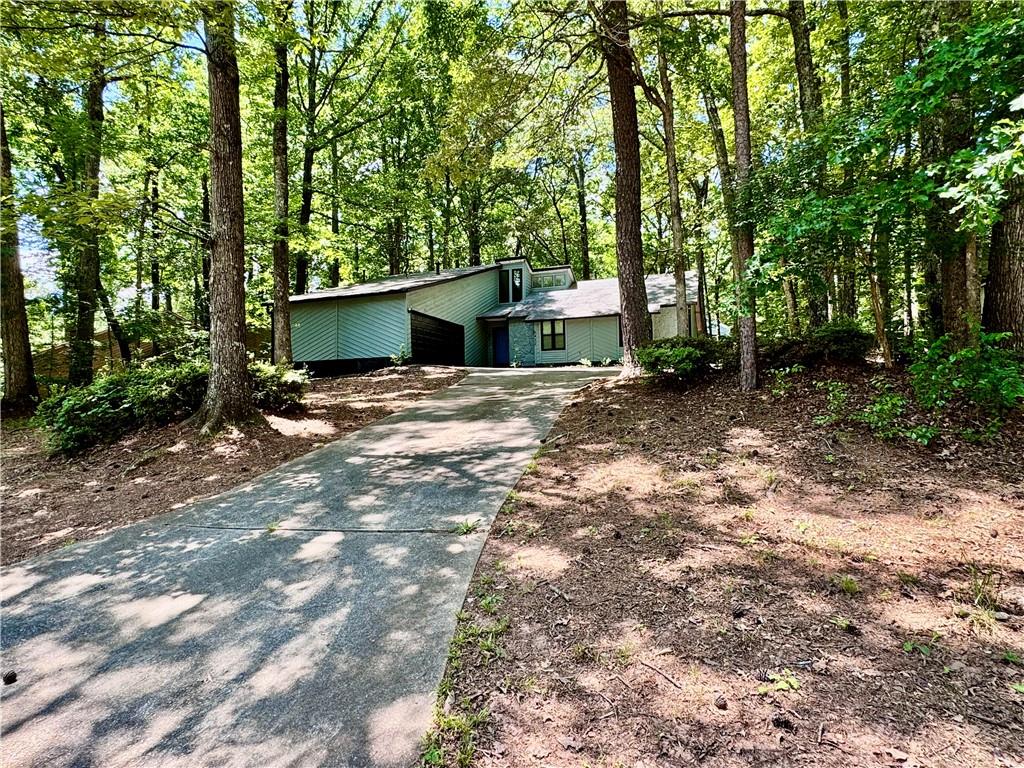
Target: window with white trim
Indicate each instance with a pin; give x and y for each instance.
(552, 335)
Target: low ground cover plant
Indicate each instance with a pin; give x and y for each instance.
(113, 405)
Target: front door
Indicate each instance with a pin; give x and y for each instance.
(499, 337)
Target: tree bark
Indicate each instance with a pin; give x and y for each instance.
(474, 236)
(580, 177)
(335, 272)
(742, 229)
(809, 86)
(114, 326)
(700, 192)
(154, 258)
(847, 303)
(229, 394)
(282, 283)
(636, 320)
(80, 369)
(20, 393)
(1004, 291)
(206, 245)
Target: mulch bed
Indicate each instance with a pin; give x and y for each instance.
(51, 502)
(701, 577)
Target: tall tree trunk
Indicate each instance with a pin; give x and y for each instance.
(206, 245)
(944, 133)
(742, 229)
(20, 393)
(446, 222)
(305, 214)
(80, 369)
(473, 234)
(229, 394)
(700, 193)
(675, 206)
(847, 293)
(810, 117)
(154, 258)
(335, 273)
(881, 333)
(883, 268)
(580, 177)
(636, 320)
(282, 283)
(1004, 291)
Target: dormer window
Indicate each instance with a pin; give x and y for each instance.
(517, 284)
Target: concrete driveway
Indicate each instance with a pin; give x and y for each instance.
(300, 620)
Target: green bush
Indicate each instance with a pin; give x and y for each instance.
(841, 340)
(113, 405)
(277, 388)
(989, 377)
(149, 395)
(686, 356)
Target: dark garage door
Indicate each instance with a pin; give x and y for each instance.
(436, 341)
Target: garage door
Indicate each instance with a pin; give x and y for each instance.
(436, 341)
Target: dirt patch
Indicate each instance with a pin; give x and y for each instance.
(700, 577)
(51, 502)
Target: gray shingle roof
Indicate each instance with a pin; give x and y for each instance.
(592, 298)
(396, 284)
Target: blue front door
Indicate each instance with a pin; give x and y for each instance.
(500, 340)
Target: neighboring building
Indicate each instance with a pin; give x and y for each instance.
(501, 314)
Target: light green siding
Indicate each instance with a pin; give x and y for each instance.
(594, 338)
(373, 326)
(315, 331)
(460, 301)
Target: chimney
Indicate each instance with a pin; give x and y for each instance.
(437, 267)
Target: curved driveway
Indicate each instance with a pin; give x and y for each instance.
(300, 620)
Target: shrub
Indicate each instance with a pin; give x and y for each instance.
(149, 395)
(685, 356)
(113, 405)
(277, 388)
(841, 340)
(988, 376)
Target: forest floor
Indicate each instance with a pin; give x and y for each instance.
(696, 577)
(50, 502)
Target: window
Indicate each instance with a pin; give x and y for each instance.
(552, 335)
(549, 281)
(517, 285)
(503, 287)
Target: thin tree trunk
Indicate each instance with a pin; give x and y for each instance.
(881, 336)
(908, 293)
(580, 177)
(473, 233)
(742, 229)
(80, 370)
(229, 394)
(335, 273)
(20, 393)
(675, 206)
(883, 269)
(282, 342)
(123, 347)
(810, 116)
(154, 258)
(636, 320)
(700, 193)
(446, 219)
(1004, 291)
(847, 292)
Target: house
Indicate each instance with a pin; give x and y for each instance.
(508, 313)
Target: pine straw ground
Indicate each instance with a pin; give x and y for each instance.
(53, 502)
(702, 578)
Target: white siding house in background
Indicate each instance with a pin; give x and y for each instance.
(501, 314)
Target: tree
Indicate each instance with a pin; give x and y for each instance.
(1004, 293)
(282, 340)
(20, 393)
(742, 227)
(636, 321)
(229, 394)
